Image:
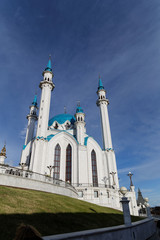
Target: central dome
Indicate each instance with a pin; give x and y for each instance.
(62, 118)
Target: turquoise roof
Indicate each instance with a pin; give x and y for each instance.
(62, 118)
(49, 137)
(49, 67)
(35, 101)
(79, 109)
(85, 141)
(100, 84)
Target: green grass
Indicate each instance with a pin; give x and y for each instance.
(51, 213)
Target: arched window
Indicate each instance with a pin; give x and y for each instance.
(57, 155)
(78, 118)
(68, 163)
(94, 169)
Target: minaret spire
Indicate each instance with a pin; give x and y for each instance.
(49, 66)
(34, 103)
(32, 118)
(102, 103)
(100, 84)
(47, 86)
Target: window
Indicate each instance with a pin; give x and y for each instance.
(96, 194)
(68, 163)
(94, 169)
(57, 155)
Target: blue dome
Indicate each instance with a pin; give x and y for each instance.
(79, 109)
(62, 118)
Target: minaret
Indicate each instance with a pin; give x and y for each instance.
(102, 102)
(47, 86)
(111, 169)
(80, 125)
(32, 118)
(3, 155)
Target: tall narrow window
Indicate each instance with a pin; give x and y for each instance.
(68, 163)
(57, 155)
(94, 169)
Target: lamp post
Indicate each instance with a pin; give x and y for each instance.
(125, 206)
(147, 208)
(130, 176)
(104, 179)
(50, 167)
(23, 165)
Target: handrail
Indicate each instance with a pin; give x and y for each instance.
(19, 172)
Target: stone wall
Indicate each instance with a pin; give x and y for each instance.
(141, 230)
(28, 183)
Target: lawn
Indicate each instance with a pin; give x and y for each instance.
(51, 213)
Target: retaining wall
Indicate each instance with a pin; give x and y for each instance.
(141, 230)
(27, 183)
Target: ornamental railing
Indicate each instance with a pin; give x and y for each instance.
(21, 173)
(97, 185)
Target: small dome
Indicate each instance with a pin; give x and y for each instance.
(62, 118)
(79, 109)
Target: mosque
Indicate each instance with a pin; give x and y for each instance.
(63, 149)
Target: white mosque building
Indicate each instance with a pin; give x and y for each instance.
(63, 146)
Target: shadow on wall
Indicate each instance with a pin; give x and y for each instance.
(50, 224)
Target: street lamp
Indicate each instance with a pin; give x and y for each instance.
(130, 176)
(113, 174)
(23, 165)
(125, 206)
(50, 167)
(104, 179)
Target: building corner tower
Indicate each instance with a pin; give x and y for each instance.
(102, 103)
(47, 86)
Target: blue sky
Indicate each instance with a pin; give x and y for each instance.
(117, 39)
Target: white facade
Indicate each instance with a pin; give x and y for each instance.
(63, 145)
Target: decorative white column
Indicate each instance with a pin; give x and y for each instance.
(47, 86)
(148, 211)
(32, 118)
(125, 206)
(80, 125)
